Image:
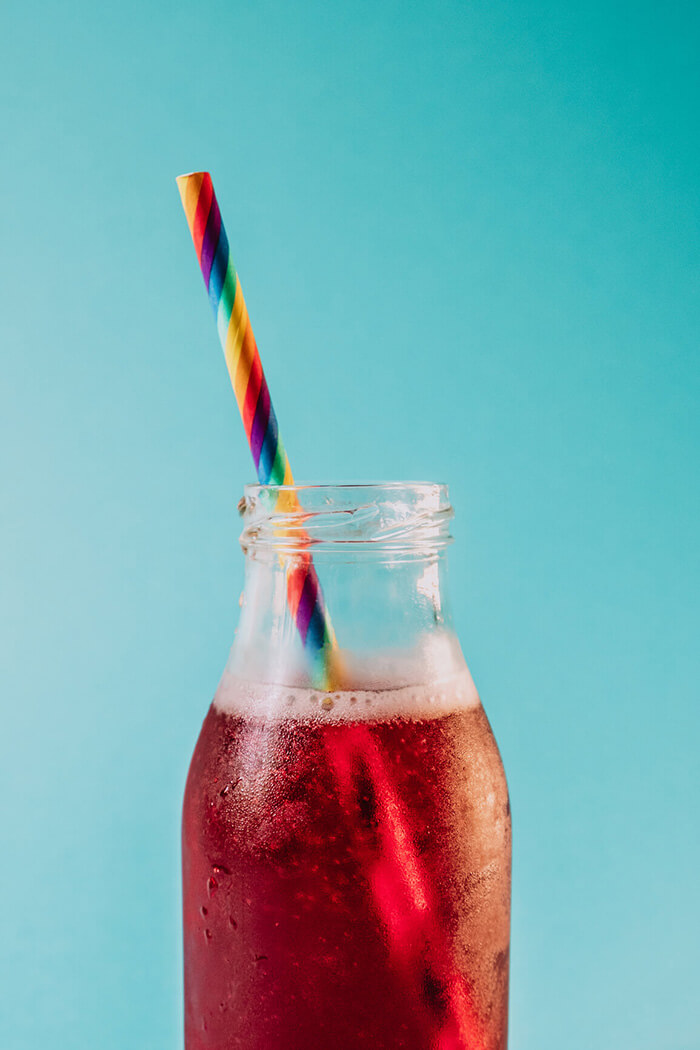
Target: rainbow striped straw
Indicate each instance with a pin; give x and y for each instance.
(304, 595)
(402, 880)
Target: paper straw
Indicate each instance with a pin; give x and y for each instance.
(304, 595)
(399, 887)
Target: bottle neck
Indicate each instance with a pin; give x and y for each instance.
(372, 606)
(391, 621)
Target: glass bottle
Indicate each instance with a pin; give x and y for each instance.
(346, 824)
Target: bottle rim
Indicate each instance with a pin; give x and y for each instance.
(410, 517)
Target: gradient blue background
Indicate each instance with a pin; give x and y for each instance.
(469, 240)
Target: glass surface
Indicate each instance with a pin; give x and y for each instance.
(346, 848)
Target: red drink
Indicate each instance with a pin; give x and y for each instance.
(346, 872)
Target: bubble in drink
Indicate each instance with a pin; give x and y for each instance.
(361, 863)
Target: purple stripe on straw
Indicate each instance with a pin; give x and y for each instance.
(210, 241)
(260, 421)
(306, 606)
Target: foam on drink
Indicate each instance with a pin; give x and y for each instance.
(428, 681)
(417, 702)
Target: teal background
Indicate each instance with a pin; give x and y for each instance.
(468, 237)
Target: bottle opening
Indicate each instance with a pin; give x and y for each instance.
(396, 517)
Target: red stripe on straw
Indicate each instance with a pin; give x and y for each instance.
(199, 223)
(295, 585)
(400, 892)
(255, 380)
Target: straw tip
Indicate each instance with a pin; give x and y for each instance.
(180, 179)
